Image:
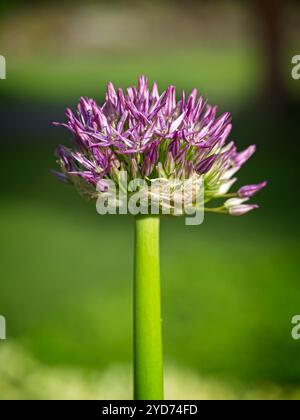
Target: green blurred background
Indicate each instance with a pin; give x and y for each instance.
(230, 286)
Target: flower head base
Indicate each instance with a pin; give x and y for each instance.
(153, 136)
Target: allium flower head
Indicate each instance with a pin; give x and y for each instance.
(152, 135)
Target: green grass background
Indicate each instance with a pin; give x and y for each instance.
(230, 286)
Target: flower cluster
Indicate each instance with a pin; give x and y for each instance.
(153, 136)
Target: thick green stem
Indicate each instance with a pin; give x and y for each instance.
(148, 359)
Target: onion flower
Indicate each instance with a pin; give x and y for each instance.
(162, 141)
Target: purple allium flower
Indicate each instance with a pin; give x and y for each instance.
(152, 135)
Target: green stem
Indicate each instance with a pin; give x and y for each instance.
(148, 359)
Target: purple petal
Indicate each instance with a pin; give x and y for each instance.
(62, 177)
(204, 166)
(147, 166)
(176, 124)
(242, 209)
(240, 158)
(250, 190)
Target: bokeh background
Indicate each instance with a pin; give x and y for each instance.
(230, 286)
